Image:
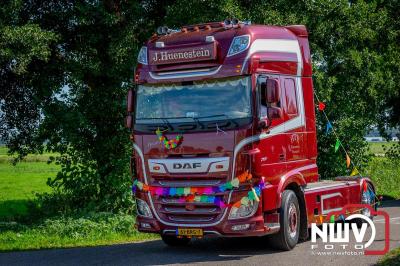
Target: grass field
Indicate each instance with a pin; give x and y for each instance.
(59, 232)
(378, 147)
(390, 259)
(18, 185)
(4, 157)
(386, 177)
(384, 173)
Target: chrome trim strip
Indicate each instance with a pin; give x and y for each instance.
(184, 74)
(196, 211)
(204, 165)
(139, 151)
(275, 45)
(202, 204)
(330, 186)
(183, 71)
(190, 183)
(299, 170)
(201, 219)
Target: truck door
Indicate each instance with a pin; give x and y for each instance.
(273, 146)
(293, 116)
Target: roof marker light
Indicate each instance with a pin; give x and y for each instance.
(160, 44)
(210, 39)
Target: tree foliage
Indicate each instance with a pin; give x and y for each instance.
(71, 63)
(65, 67)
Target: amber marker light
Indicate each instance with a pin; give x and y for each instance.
(238, 67)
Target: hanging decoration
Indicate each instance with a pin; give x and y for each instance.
(185, 191)
(205, 194)
(253, 195)
(348, 161)
(328, 128)
(337, 145)
(354, 172)
(169, 144)
(321, 106)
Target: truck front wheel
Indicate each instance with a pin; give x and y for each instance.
(174, 241)
(289, 218)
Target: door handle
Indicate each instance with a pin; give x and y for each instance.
(282, 157)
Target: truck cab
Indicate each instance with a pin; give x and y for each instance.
(222, 121)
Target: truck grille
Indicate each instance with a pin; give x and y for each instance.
(169, 209)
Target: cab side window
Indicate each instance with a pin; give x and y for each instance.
(290, 97)
(263, 101)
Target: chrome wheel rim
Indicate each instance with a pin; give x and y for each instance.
(292, 215)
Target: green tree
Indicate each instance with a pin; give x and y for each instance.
(71, 62)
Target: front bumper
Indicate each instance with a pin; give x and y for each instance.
(224, 228)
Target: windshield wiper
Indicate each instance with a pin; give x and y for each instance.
(167, 121)
(228, 118)
(213, 116)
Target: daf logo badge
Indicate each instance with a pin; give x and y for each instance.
(186, 165)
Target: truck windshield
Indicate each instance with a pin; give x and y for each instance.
(205, 101)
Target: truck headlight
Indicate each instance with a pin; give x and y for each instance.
(142, 56)
(243, 211)
(239, 44)
(143, 208)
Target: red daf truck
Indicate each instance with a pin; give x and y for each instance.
(223, 128)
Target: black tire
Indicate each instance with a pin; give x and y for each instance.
(289, 219)
(174, 241)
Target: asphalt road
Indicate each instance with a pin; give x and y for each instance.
(244, 251)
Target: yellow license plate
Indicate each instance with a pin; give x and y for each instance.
(189, 232)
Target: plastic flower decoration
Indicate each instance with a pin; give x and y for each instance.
(169, 144)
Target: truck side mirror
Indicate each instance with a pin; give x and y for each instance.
(128, 121)
(130, 100)
(272, 91)
(274, 113)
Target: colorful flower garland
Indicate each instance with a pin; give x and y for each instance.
(169, 144)
(205, 194)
